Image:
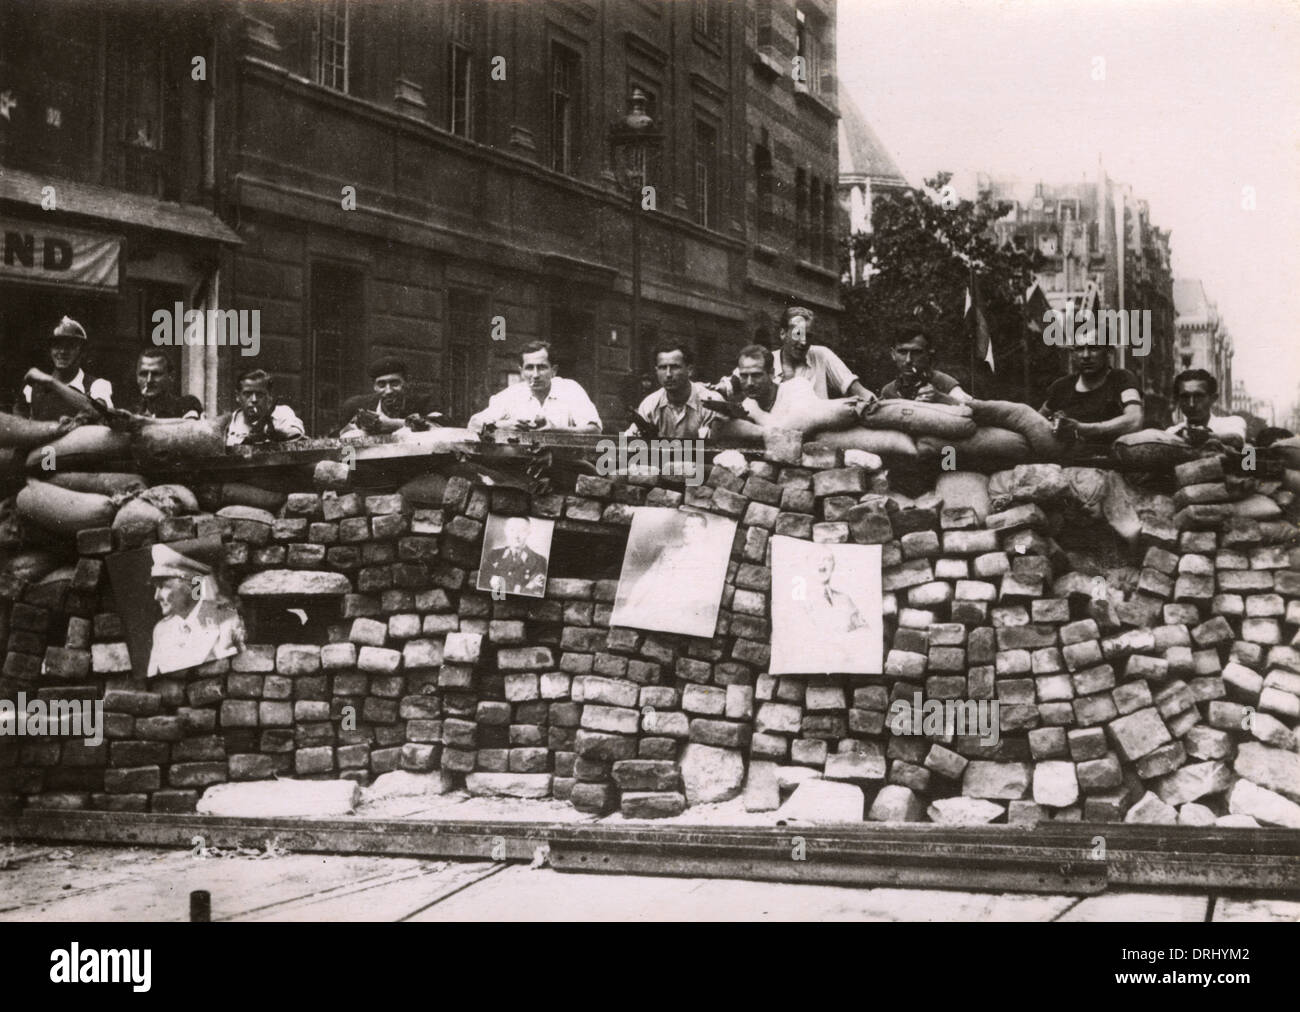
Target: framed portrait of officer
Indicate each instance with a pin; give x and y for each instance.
(673, 571)
(826, 609)
(516, 553)
(176, 607)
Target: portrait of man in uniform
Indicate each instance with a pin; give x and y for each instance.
(177, 615)
(516, 551)
(826, 608)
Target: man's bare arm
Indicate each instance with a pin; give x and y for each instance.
(1112, 428)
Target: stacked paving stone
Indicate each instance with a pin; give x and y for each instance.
(1166, 693)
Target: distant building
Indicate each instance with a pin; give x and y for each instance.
(867, 171)
(1203, 339)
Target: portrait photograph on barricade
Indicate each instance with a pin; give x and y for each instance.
(516, 552)
(177, 611)
(826, 608)
(673, 571)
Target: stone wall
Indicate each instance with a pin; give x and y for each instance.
(1164, 692)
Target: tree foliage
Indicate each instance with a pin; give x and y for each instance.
(919, 252)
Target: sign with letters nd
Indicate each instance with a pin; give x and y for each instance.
(30, 251)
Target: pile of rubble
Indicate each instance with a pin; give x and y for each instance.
(1166, 693)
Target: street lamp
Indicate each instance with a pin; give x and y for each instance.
(630, 141)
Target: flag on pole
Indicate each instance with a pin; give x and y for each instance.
(977, 323)
(1036, 308)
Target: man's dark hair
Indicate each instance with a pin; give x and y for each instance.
(759, 352)
(1270, 434)
(1190, 375)
(668, 346)
(535, 346)
(907, 331)
(253, 376)
(792, 311)
(149, 351)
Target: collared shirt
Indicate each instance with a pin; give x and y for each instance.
(209, 632)
(567, 405)
(1219, 425)
(690, 420)
(825, 370)
(284, 423)
(100, 389)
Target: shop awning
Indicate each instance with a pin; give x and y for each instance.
(115, 206)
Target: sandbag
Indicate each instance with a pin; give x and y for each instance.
(108, 483)
(1034, 483)
(887, 443)
(1287, 451)
(63, 574)
(964, 489)
(236, 493)
(173, 500)
(1088, 487)
(176, 441)
(136, 521)
(815, 416)
(917, 418)
(61, 510)
(30, 565)
(426, 490)
(24, 433)
(1023, 419)
(1152, 449)
(1256, 507)
(80, 450)
(1291, 480)
(988, 449)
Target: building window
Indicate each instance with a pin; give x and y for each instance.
(142, 118)
(800, 211)
(467, 367)
(706, 175)
(763, 185)
(337, 296)
(763, 14)
(332, 39)
(815, 220)
(566, 68)
(707, 19)
(461, 64)
(806, 48)
(828, 225)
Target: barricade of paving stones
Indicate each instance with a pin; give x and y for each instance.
(1172, 698)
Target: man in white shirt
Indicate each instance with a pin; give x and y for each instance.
(259, 419)
(816, 363)
(1195, 391)
(675, 409)
(541, 400)
(196, 626)
(766, 401)
(67, 347)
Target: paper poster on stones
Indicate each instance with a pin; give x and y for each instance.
(176, 606)
(516, 554)
(673, 571)
(826, 608)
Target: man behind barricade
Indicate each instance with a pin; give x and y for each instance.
(1195, 391)
(259, 418)
(816, 364)
(541, 400)
(676, 410)
(912, 350)
(67, 348)
(1096, 403)
(391, 404)
(156, 396)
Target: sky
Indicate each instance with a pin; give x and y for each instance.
(1190, 103)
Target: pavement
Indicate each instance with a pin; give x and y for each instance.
(96, 883)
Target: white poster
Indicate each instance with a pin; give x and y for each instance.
(826, 609)
(66, 256)
(673, 571)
